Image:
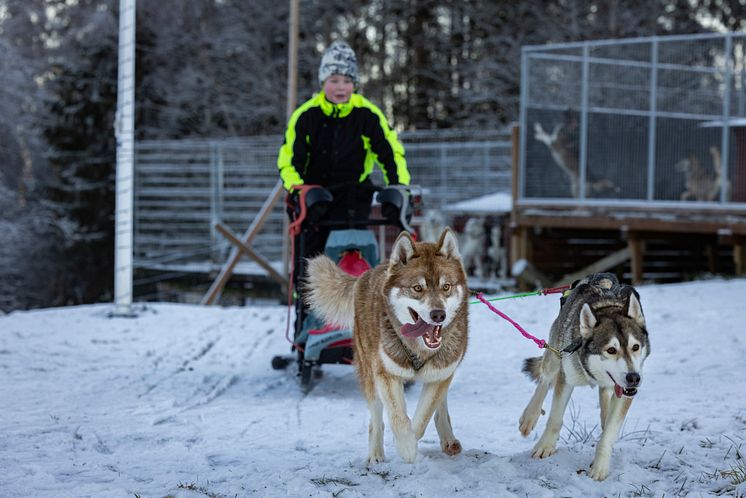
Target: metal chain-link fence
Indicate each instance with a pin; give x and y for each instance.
(635, 121)
(182, 187)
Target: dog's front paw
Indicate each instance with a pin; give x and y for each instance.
(406, 445)
(375, 457)
(452, 447)
(527, 422)
(600, 467)
(544, 449)
(599, 472)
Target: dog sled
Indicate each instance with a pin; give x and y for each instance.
(353, 246)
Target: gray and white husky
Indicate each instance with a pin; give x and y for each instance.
(602, 331)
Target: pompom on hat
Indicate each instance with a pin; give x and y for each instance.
(338, 58)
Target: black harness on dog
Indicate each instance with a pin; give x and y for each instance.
(416, 361)
(573, 346)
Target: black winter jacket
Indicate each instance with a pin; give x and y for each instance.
(328, 144)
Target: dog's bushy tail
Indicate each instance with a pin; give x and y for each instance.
(532, 368)
(329, 291)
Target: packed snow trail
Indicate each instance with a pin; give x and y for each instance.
(182, 401)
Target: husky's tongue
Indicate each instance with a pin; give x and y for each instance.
(619, 391)
(417, 329)
(430, 333)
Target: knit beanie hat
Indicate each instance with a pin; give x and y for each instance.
(338, 58)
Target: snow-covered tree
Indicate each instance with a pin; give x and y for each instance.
(210, 69)
(218, 68)
(80, 112)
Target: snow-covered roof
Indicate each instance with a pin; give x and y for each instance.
(497, 203)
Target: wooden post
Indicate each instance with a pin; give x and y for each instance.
(518, 237)
(291, 103)
(739, 254)
(636, 252)
(292, 58)
(711, 254)
(520, 244)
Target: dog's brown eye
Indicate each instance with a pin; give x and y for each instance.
(636, 347)
(417, 288)
(611, 350)
(446, 287)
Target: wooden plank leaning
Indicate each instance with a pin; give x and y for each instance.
(243, 246)
(246, 249)
(604, 264)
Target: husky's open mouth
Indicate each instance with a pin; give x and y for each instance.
(620, 391)
(430, 333)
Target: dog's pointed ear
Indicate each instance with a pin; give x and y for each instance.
(402, 250)
(634, 309)
(448, 244)
(587, 321)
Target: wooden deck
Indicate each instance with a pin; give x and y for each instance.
(655, 245)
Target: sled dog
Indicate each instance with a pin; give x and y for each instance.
(432, 226)
(409, 319)
(497, 256)
(564, 146)
(474, 247)
(702, 184)
(602, 330)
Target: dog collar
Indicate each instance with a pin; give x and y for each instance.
(573, 346)
(417, 362)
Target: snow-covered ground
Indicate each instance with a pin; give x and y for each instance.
(182, 401)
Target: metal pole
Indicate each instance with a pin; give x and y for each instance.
(292, 102)
(214, 239)
(217, 181)
(124, 129)
(520, 191)
(443, 199)
(725, 137)
(652, 120)
(292, 59)
(581, 193)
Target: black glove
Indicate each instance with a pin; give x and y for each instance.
(390, 212)
(393, 200)
(291, 205)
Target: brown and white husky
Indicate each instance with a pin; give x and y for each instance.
(410, 320)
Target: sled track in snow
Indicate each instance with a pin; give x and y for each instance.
(202, 352)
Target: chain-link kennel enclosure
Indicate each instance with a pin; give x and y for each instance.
(633, 158)
(635, 121)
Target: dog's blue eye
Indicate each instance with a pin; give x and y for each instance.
(417, 288)
(611, 350)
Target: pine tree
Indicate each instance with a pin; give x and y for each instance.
(81, 109)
